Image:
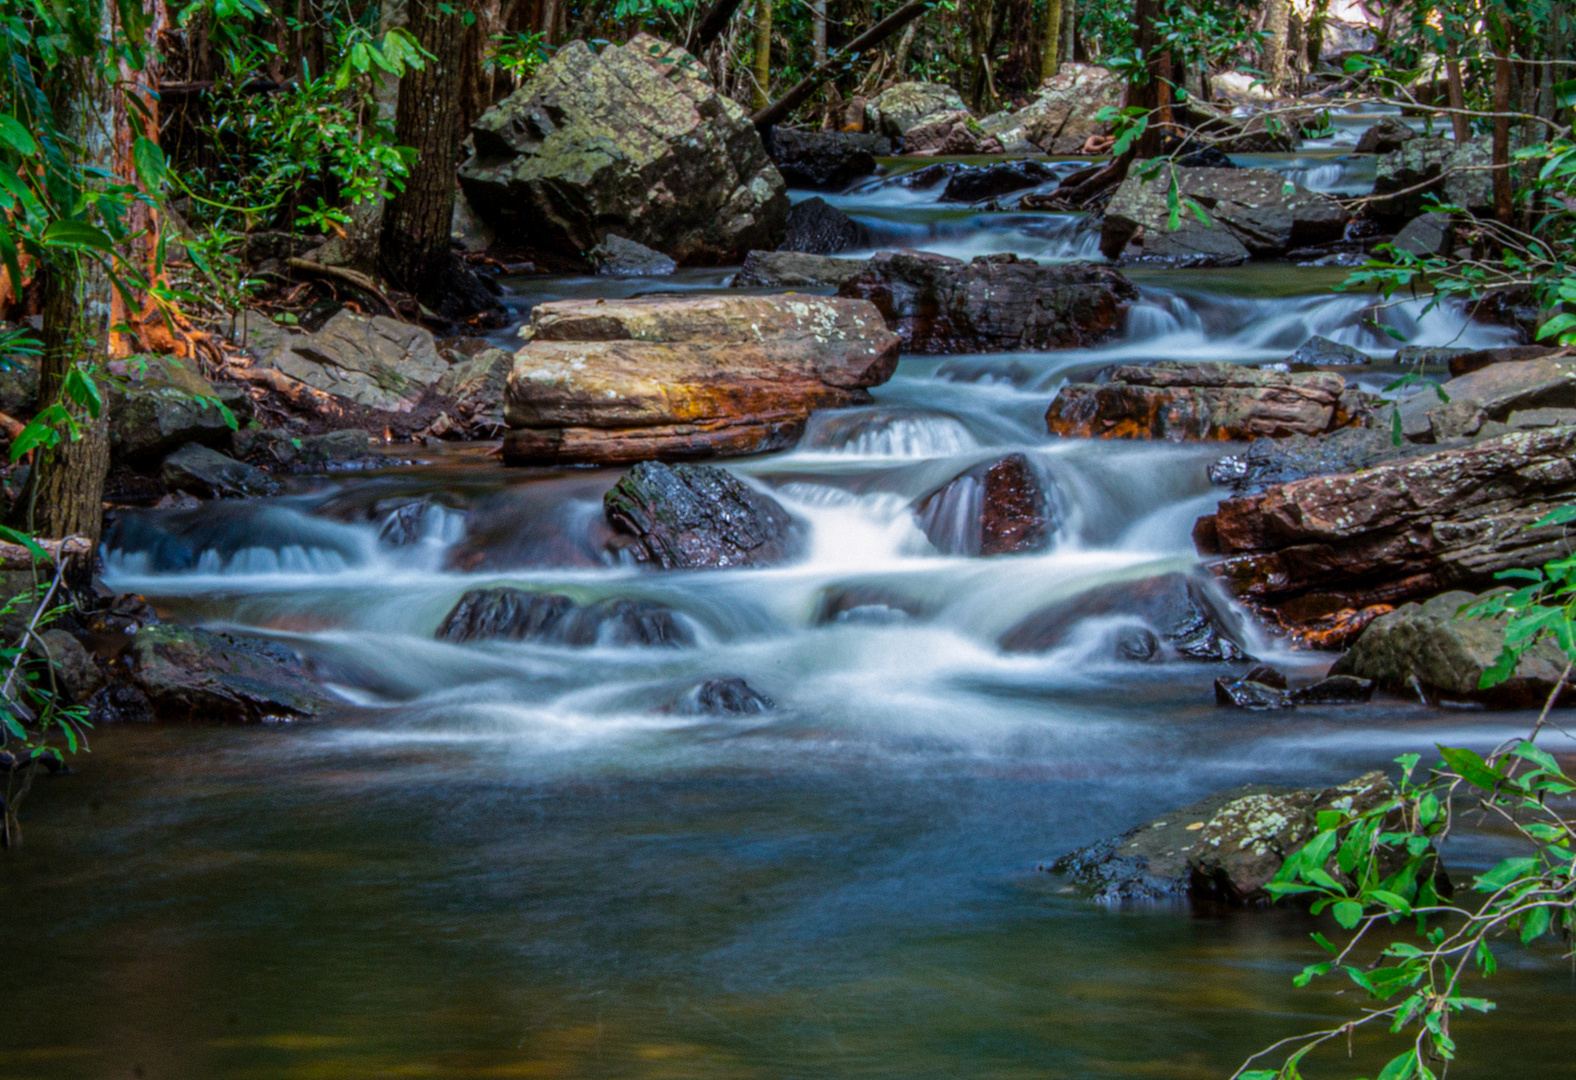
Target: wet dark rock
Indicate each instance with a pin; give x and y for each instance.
(1221, 849)
(1277, 461)
(74, 669)
(507, 614)
(578, 151)
(938, 304)
(1335, 690)
(209, 474)
(618, 257)
(1250, 694)
(1425, 235)
(1251, 206)
(724, 697)
(1386, 136)
(1137, 644)
(815, 227)
(164, 406)
(865, 604)
(1427, 650)
(193, 675)
(1399, 531)
(1433, 356)
(277, 451)
(1468, 361)
(977, 183)
(108, 630)
(405, 525)
(1319, 351)
(795, 270)
(1184, 401)
(1266, 676)
(995, 508)
(1206, 157)
(120, 703)
(690, 517)
(1183, 610)
(826, 160)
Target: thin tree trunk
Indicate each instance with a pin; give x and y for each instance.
(66, 485)
(1504, 205)
(415, 252)
(1455, 92)
(763, 53)
(1277, 14)
(1051, 54)
(549, 27)
(818, 31)
(905, 45)
(1068, 50)
(1145, 87)
(981, 30)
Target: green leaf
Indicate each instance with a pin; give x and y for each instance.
(1470, 767)
(1400, 1068)
(68, 233)
(1485, 958)
(1507, 873)
(1535, 924)
(16, 136)
(1537, 755)
(15, 536)
(1556, 325)
(150, 162)
(1348, 913)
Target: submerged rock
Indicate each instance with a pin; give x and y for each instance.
(695, 517)
(1396, 532)
(817, 228)
(980, 182)
(938, 304)
(723, 697)
(193, 675)
(1224, 848)
(616, 381)
(633, 140)
(1251, 214)
(995, 508)
(507, 614)
(826, 160)
(1184, 401)
(1182, 610)
(1320, 351)
(617, 257)
(209, 474)
(1426, 650)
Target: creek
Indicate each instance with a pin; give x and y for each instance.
(520, 860)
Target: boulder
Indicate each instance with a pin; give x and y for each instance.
(1184, 611)
(334, 451)
(826, 160)
(1060, 119)
(1425, 235)
(1266, 462)
(1457, 175)
(1183, 401)
(1397, 532)
(944, 133)
(1264, 689)
(698, 517)
(1492, 400)
(898, 108)
(616, 381)
(74, 670)
(995, 508)
(477, 385)
(633, 140)
(977, 183)
(1320, 351)
(795, 270)
(1464, 362)
(723, 697)
(1225, 848)
(374, 361)
(208, 474)
(506, 614)
(1251, 694)
(938, 304)
(617, 257)
(1427, 650)
(1253, 205)
(817, 228)
(163, 404)
(1385, 137)
(193, 675)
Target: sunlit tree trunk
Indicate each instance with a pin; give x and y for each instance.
(1069, 46)
(1051, 54)
(415, 249)
(1277, 16)
(763, 53)
(818, 32)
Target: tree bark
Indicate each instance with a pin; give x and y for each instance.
(415, 251)
(1145, 87)
(1051, 54)
(763, 53)
(1068, 51)
(818, 32)
(65, 493)
(1277, 16)
(1504, 206)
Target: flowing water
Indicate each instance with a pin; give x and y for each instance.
(530, 860)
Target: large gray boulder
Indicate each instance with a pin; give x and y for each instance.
(897, 109)
(371, 360)
(1429, 650)
(1459, 173)
(164, 404)
(633, 140)
(1061, 118)
(1511, 396)
(1252, 213)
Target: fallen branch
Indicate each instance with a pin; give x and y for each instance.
(18, 557)
(711, 25)
(800, 92)
(299, 393)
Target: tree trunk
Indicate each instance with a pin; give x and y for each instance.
(549, 27)
(818, 32)
(981, 31)
(65, 493)
(1068, 51)
(1316, 21)
(1504, 205)
(1051, 54)
(905, 45)
(414, 251)
(763, 53)
(1455, 92)
(1277, 15)
(1145, 87)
